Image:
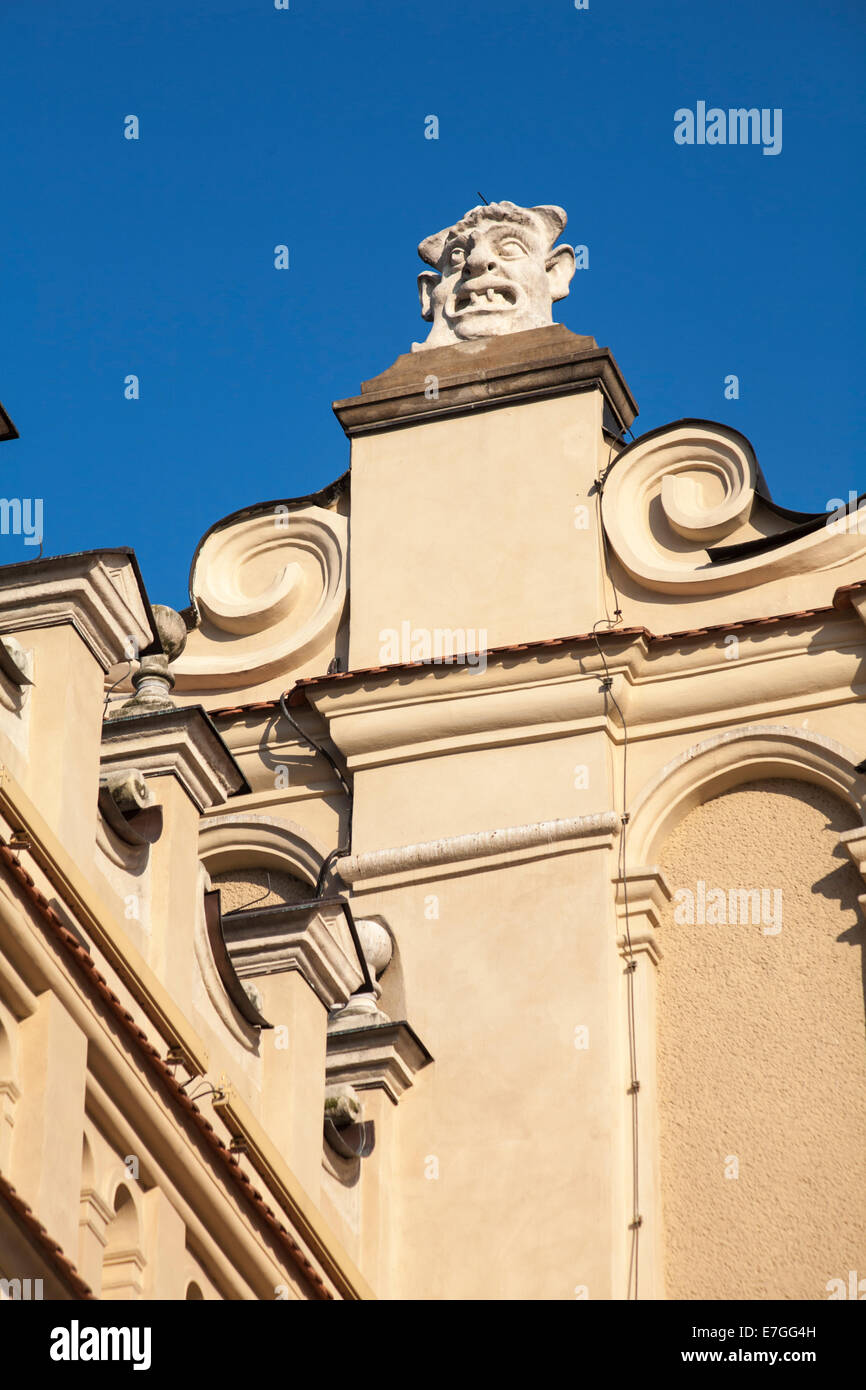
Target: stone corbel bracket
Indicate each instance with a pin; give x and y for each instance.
(386, 1056)
(315, 938)
(16, 664)
(347, 1133)
(16, 676)
(640, 896)
(182, 742)
(129, 806)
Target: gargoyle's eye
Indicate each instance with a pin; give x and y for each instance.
(458, 255)
(511, 249)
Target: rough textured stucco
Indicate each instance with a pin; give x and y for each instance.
(264, 887)
(761, 1054)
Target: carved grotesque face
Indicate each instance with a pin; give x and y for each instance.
(497, 273)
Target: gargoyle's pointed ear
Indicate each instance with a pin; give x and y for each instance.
(560, 268)
(554, 219)
(427, 282)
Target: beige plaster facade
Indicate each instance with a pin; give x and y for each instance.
(469, 907)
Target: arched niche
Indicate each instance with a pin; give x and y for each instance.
(747, 753)
(759, 1058)
(248, 841)
(123, 1259)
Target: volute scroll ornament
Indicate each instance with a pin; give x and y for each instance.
(674, 494)
(271, 590)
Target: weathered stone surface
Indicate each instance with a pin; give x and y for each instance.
(495, 271)
(467, 376)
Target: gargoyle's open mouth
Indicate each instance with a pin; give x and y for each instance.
(484, 297)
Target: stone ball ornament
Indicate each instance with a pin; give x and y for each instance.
(170, 629)
(376, 944)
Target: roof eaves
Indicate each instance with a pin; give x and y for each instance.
(139, 1040)
(64, 1266)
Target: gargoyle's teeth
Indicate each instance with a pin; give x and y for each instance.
(489, 297)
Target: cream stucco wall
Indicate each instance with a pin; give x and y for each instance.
(761, 1053)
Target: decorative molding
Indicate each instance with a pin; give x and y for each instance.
(128, 806)
(249, 839)
(525, 366)
(99, 593)
(91, 915)
(10, 1095)
(482, 844)
(16, 663)
(314, 938)
(213, 986)
(743, 754)
(122, 1272)
(16, 681)
(95, 1214)
(182, 742)
(644, 890)
(308, 1224)
(386, 1056)
(675, 491)
(275, 585)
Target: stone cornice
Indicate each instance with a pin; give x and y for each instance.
(182, 742)
(98, 592)
(685, 681)
(471, 376)
(532, 696)
(386, 1056)
(515, 841)
(313, 938)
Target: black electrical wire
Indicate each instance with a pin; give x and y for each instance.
(631, 962)
(317, 748)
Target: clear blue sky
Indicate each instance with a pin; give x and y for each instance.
(306, 127)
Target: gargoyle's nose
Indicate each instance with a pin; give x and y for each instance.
(480, 259)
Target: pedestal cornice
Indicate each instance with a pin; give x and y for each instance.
(469, 376)
(100, 593)
(386, 1056)
(313, 938)
(182, 742)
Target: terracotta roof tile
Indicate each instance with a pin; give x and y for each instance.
(295, 696)
(64, 1266)
(139, 1039)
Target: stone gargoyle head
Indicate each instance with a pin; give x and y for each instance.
(495, 271)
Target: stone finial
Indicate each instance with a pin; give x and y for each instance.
(363, 1010)
(153, 681)
(495, 271)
